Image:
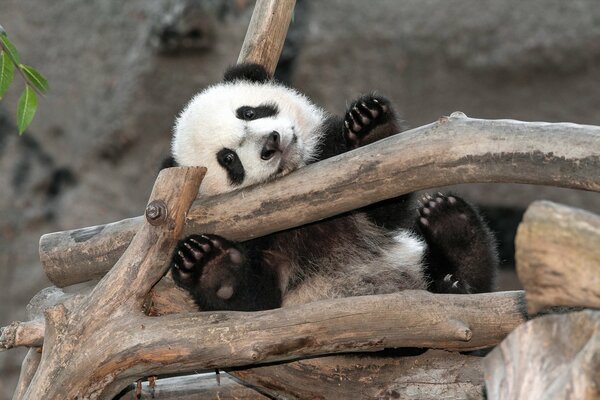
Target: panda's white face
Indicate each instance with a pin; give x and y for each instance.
(246, 133)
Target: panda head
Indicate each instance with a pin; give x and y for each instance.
(246, 130)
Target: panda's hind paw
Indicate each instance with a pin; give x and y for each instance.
(209, 266)
(365, 119)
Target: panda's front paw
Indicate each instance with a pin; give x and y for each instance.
(368, 119)
(209, 267)
(450, 284)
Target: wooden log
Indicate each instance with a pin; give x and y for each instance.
(453, 150)
(551, 357)
(193, 387)
(17, 334)
(79, 336)
(28, 370)
(266, 33)
(558, 256)
(432, 375)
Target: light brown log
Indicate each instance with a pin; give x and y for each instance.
(432, 375)
(28, 369)
(453, 150)
(558, 256)
(266, 33)
(195, 387)
(140, 346)
(554, 357)
(17, 334)
(80, 335)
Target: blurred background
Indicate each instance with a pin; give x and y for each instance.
(120, 71)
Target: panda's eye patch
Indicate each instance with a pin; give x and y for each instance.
(230, 161)
(248, 113)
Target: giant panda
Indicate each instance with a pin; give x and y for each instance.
(250, 129)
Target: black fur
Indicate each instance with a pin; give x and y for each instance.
(248, 72)
(248, 113)
(460, 258)
(232, 164)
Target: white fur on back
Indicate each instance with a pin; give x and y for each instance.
(209, 123)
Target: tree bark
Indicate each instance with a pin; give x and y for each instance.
(28, 369)
(453, 150)
(266, 33)
(558, 256)
(17, 334)
(432, 375)
(80, 335)
(121, 348)
(551, 357)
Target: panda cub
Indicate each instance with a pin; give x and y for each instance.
(250, 129)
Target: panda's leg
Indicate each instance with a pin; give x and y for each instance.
(461, 252)
(368, 119)
(223, 275)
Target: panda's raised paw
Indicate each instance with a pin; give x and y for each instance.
(208, 266)
(364, 116)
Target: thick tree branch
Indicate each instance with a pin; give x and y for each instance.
(78, 334)
(453, 150)
(17, 334)
(558, 256)
(266, 33)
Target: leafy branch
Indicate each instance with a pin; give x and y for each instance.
(35, 83)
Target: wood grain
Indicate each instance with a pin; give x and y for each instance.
(451, 151)
(558, 256)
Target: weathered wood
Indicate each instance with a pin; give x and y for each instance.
(131, 345)
(432, 375)
(551, 357)
(558, 256)
(195, 387)
(453, 150)
(28, 369)
(22, 334)
(266, 33)
(81, 336)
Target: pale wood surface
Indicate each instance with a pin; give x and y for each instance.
(432, 375)
(453, 150)
(82, 338)
(266, 33)
(558, 256)
(554, 357)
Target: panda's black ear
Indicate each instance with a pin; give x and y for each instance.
(247, 72)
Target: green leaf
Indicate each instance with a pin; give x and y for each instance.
(10, 48)
(35, 78)
(7, 69)
(26, 109)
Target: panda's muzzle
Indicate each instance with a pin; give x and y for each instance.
(271, 146)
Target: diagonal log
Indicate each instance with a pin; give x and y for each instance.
(451, 151)
(79, 335)
(266, 33)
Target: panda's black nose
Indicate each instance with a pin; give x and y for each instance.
(271, 146)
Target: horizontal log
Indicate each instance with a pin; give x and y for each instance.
(551, 357)
(558, 256)
(29, 334)
(179, 343)
(453, 150)
(433, 375)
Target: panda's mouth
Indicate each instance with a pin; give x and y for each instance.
(290, 157)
